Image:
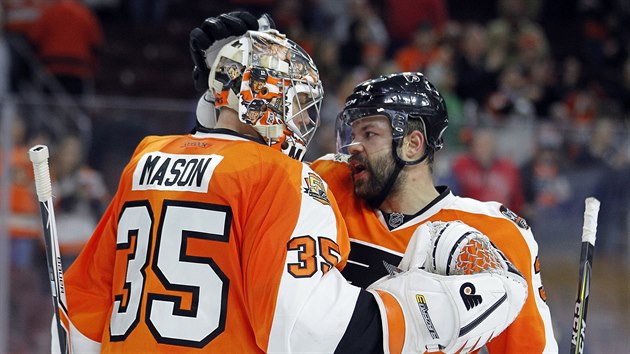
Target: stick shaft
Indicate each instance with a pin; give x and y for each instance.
(584, 281)
(39, 156)
(55, 275)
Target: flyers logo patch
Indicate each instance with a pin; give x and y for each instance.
(315, 188)
(467, 292)
(519, 221)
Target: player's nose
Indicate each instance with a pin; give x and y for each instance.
(355, 147)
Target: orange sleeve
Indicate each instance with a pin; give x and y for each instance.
(527, 333)
(90, 278)
(300, 246)
(531, 332)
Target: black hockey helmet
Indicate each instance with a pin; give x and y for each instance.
(399, 97)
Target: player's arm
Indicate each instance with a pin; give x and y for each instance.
(311, 307)
(89, 279)
(88, 288)
(455, 291)
(294, 241)
(532, 331)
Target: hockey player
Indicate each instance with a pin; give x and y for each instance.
(387, 135)
(217, 242)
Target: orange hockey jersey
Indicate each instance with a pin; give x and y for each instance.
(214, 243)
(372, 243)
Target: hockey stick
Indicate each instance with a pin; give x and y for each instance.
(586, 261)
(39, 157)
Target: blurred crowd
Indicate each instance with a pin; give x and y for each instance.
(538, 95)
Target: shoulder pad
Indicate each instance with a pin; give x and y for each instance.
(519, 221)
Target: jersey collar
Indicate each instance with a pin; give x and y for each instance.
(222, 133)
(430, 209)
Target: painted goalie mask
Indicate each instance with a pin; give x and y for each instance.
(273, 85)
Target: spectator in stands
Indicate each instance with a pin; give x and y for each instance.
(482, 174)
(445, 80)
(365, 28)
(510, 100)
(544, 183)
(583, 103)
(604, 156)
(476, 72)
(326, 54)
(328, 19)
(290, 18)
(514, 34)
(373, 63)
(422, 50)
(601, 41)
(531, 46)
(68, 38)
(404, 16)
(18, 19)
(80, 197)
(542, 88)
(571, 75)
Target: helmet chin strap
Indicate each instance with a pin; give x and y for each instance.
(376, 202)
(274, 131)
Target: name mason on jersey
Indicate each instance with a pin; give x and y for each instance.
(174, 172)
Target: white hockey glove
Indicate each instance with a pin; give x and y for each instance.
(467, 293)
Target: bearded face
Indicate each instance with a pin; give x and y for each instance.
(370, 176)
(371, 159)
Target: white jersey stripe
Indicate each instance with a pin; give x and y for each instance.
(317, 304)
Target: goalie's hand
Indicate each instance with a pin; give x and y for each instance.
(453, 292)
(207, 39)
(424, 312)
(453, 248)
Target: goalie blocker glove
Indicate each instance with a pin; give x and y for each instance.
(454, 292)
